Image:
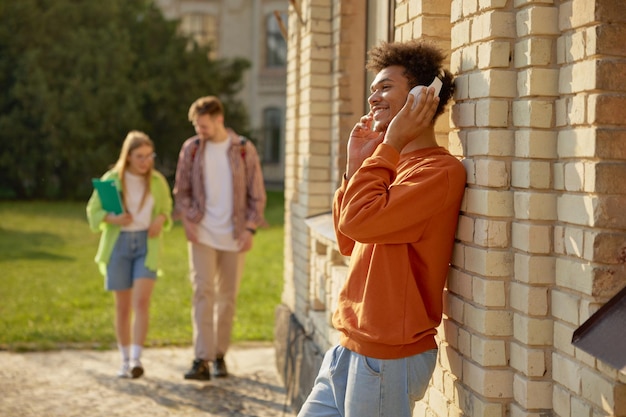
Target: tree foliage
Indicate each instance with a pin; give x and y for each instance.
(77, 75)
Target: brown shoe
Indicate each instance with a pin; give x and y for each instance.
(199, 371)
(219, 368)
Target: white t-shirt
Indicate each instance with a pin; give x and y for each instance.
(216, 227)
(135, 188)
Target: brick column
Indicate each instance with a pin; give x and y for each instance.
(589, 237)
(479, 323)
(534, 206)
(307, 178)
(325, 97)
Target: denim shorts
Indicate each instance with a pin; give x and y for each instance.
(127, 262)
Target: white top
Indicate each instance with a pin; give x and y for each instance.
(216, 227)
(135, 188)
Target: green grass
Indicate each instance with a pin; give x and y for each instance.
(52, 295)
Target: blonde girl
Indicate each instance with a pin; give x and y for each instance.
(130, 243)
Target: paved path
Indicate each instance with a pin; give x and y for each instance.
(83, 383)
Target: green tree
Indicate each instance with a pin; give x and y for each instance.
(77, 75)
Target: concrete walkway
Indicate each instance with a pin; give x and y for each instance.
(83, 383)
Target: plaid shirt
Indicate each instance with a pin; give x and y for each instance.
(248, 188)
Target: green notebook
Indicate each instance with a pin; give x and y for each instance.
(109, 196)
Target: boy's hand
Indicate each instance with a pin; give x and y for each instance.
(362, 143)
(409, 123)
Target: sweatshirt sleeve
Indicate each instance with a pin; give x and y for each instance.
(372, 210)
(345, 243)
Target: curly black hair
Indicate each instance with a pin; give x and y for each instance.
(422, 62)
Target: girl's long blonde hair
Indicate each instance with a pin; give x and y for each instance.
(134, 139)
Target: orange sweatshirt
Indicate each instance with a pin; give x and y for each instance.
(396, 218)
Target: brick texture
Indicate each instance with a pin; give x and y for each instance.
(537, 120)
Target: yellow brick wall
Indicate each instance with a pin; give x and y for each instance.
(538, 121)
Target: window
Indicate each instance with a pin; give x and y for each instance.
(272, 132)
(380, 22)
(276, 46)
(202, 28)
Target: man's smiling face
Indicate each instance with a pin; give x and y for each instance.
(389, 92)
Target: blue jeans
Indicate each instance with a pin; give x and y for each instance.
(353, 385)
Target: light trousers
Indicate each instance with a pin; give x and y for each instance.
(353, 385)
(215, 276)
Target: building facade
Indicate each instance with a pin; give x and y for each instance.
(538, 120)
(250, 29)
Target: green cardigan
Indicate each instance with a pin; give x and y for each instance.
(160, 190)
